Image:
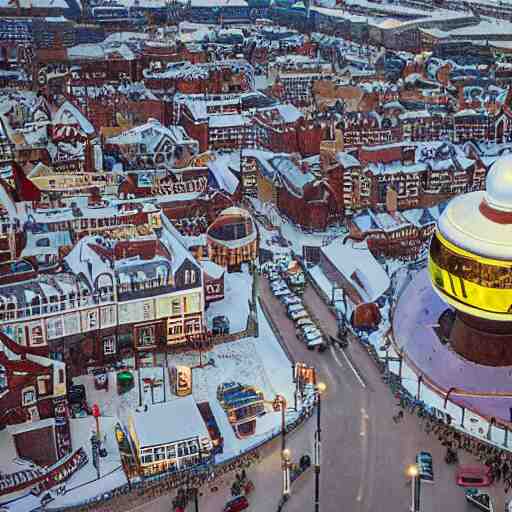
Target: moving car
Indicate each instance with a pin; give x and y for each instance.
(237, 504)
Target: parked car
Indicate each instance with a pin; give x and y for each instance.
(314, 339)
(294, 307)
(220, 325)
(283, 292)
(278, 285)
(237, 504)
(310, 329)
(297, 315)
(291, 299)
(304, 321)
(474, 476)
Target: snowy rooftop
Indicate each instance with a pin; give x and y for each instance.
(168, 422)
(359, 267)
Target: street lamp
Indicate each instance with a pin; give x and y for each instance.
(286, 457)
(319, 389)
(413, 472)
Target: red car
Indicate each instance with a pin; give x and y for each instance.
(474, 476)
(239, 503)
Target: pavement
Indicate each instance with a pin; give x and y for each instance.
(364, 453)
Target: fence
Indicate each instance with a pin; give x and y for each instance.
(391, 362)
(132, 495)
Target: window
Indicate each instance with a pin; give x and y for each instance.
(54, 328)
(3, 379)
(109, 345)
(192, 303)
(43, 385)
(175, 329)
(183, 450)
(171, 451)
(160, 453)
(36, 334)
(147, 456)
(108, 316)
(61, 376)
(176, 306)
(28, 396)
(146, 336)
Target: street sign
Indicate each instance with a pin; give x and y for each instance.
(425, 467)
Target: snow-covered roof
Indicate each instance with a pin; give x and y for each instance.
(171, 421)
(224, 178)
(347, 160)
(359, 267)
(69, 114)
(212, 269)
(151, 133)
(225, 120)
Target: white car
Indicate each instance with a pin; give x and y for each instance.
(291, 299)
(294, 307)
(282, 292)
(310, 329)
(313, 340)
(278, 285)
(298, 314)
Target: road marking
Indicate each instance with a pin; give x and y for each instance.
(351, 366)
(364, 465)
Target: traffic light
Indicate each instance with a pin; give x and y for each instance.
(425, 467)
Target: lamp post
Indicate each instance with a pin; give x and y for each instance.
(286, 457)
(413, 472)
(319, 389)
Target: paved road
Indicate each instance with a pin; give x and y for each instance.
(365, 453)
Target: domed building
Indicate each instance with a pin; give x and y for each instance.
(470, 267)
(232, 238)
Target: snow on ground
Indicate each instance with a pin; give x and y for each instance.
(297, 238)
(235, 305)
(258, 362)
